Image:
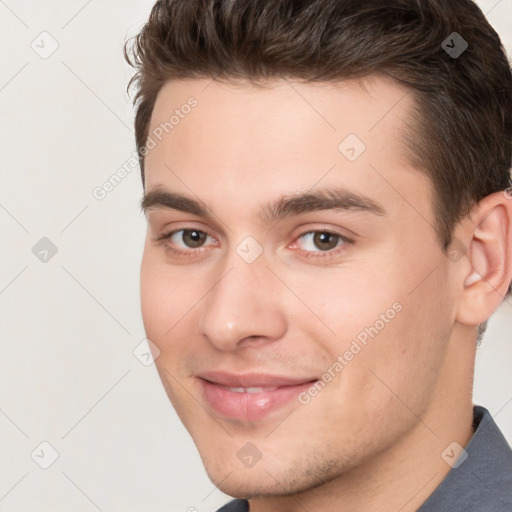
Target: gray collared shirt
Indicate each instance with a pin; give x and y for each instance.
(481, 483)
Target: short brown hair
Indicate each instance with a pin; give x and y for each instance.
(462, 132)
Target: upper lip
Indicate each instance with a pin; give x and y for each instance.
(249, 380)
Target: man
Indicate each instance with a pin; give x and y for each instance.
(329, 229)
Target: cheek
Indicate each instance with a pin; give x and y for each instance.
(337, 305)
(166, 299)
(380, 322)
(403, 363)
(154, 301)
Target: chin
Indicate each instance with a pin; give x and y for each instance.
(247, 487)
(269, 480)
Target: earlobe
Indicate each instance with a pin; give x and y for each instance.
(490, 257)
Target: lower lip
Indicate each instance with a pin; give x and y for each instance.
(249, 406)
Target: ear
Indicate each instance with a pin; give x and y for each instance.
(486, 283)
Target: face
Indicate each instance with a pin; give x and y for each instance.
(292, 279)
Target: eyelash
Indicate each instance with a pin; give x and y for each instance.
(307, 254)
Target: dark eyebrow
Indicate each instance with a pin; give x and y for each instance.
(288, 205)
(323, 199)
(160, 198)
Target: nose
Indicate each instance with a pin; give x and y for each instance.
(244, 306)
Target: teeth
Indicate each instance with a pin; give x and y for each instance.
(250, 390)
(256, 390)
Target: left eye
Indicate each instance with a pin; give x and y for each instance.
(321, 241)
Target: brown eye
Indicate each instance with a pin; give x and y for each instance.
(186, 239)
(193, 238)
(320, 241)
(325, 241)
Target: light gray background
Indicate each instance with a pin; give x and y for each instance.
(68, 327)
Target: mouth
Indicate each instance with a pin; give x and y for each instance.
(250, 397)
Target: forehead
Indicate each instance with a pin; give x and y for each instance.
(213, 137)
(278, 114)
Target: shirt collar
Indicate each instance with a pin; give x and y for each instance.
(483, 481)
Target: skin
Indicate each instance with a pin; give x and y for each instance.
(406, 395)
